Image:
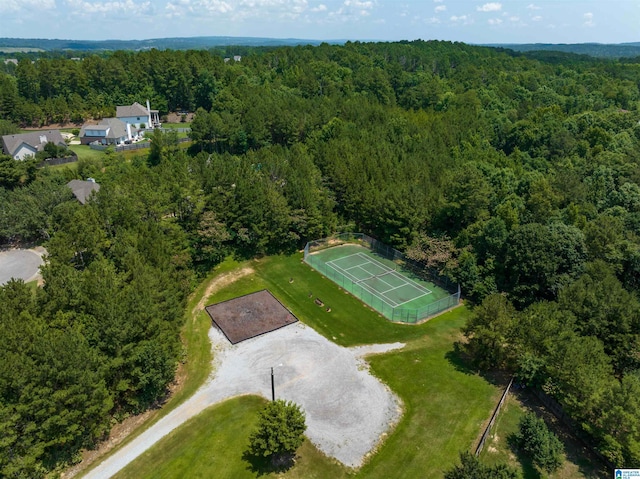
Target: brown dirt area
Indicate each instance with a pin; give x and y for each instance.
(250, 316)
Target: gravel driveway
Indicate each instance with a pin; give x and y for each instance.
(347, 409)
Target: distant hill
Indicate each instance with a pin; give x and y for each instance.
(184, 43)
(600, 50)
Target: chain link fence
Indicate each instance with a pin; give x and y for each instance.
(398, 314)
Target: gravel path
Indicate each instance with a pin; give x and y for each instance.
(348, 410)
(21, 264)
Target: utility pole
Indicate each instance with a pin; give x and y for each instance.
(273, 388)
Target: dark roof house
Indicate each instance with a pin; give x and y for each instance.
(83, 189)
(110, 131)
(28, 144)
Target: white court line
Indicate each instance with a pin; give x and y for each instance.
(413, 299)
(377, 294)
(408, 280)
(341, 270)
(386, 270)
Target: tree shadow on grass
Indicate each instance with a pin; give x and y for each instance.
(463, 363)
(529, 471)
(262, 466)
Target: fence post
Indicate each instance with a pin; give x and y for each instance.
(493, 419)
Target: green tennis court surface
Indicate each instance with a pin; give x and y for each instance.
(392, 288)
(381, 283)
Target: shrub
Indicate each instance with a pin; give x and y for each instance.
(281, 427)
(471, 468)
(539, 443)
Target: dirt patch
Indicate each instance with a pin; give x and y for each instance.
(249, 316)
(217, 283)
(175, 117)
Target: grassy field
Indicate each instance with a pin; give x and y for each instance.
(84, 151)
(499, 446)
(444, 403)
(213, 444)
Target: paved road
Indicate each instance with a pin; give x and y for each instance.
(347, 409)
(20, 264)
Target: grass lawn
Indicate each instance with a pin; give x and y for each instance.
(84, 151)
(497, 449)
(445, 404)
(213, 444)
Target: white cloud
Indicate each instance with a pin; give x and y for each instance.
(130, 7)
(440, 8)
(490, 7)
(588, 20)
(352, 9)
(515, 18)
(243, 9)
(432, 20)
(537, 18)
(32, 5)
(494, 21)
(531, 6)
(464, 19)
(438, 1)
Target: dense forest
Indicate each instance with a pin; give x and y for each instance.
(517, 177)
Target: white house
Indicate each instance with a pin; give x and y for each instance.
(28, 144)
(136, 115)
(110, 131)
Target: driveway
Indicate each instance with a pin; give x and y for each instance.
(20, 264)
(348, 410)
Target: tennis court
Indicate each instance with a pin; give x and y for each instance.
(379, 278)
(391, 287)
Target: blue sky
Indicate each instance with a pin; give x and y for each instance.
(470, 21)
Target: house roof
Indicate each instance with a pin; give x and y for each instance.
(83, 189)
(36, 139)
(131, 110)
(115, 128)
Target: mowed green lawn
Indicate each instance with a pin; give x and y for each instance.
(445, 405)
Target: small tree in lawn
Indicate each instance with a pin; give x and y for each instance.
(470, 467)
(281, 425)
(537, 441)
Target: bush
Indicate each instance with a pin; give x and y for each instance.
(281, 427)
(471, 468)
(539, 443)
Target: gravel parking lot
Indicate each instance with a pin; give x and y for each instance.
(348, 410)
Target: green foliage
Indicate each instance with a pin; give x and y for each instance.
(538, 442)
(280, 430)
(490, 332)
(530, 168)
(470, 467)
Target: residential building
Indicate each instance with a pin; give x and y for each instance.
(82, 190)
(23, 145)
(137, 115)
(110, 131)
